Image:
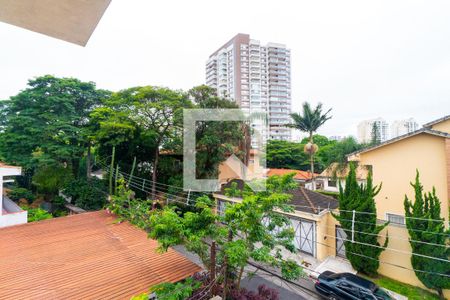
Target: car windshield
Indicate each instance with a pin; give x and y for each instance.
(380, 294)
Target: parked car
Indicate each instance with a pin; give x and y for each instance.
(347, 286)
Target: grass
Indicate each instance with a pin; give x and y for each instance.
(410, 291)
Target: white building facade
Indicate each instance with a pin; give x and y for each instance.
(366, 130)
(402, 127)
(258, 78)
(10, 213)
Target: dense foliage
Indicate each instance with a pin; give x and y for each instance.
(46, 122)
(18, 193)
(89, 194)
(429, 238)
(364, 251)
(291, 155)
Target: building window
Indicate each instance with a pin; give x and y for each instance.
(395, 219)
(332, 183)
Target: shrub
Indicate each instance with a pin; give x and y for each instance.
(37, 214)
(21, 193)
(88, 194)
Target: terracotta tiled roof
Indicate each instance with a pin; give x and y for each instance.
(299, 175)
(86, 256)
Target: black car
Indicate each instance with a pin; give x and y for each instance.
(347, 286)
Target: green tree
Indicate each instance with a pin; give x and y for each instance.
(48, 179)
(242, 237)
(286, 155)
(153, 113)
(309, 121)
(375, 136)
(216, 141)
(338, 151)
(429, 238)
(363, 251)
(46, 122)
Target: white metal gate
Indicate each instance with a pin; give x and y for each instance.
(305, 235)
(340, 237)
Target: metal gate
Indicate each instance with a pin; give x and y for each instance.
(305, 235)
(340, 237)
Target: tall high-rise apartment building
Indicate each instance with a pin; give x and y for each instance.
(367, 129)
(258, 78)
(402, 127)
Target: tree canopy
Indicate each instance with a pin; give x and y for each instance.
(361, 245)
(429, 238)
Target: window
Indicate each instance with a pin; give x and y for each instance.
(221, 205)
(395, 219)
(332, 183)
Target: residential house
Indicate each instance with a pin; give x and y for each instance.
(84, 256)
(10, 213)
(335, 174)
(311, 221)
(394, 164)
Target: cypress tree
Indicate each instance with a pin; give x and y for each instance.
(364, 252)
(428, 237)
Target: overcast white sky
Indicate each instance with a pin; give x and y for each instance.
(362, 58)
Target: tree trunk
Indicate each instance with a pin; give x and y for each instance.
(441, 294)
(313, 180)
(155, 169)
(225, 267)
(111, 170)
(88, 162)
(241, 271)
(76, 167)
(212, 266)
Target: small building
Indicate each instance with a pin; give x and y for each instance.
(336, 173)
(84, 256)
(311, 220)
(10, 213)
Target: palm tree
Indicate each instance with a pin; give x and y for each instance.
(309, 121)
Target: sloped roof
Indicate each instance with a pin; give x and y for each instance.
(440, 120)
(334, 170)
(424, 130)
(303, 199)
(85, 256)
(299, 174)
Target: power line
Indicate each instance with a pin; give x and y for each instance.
(388, 248)
(376, 246)
(416, 230)
(370, 245)
(390, 236)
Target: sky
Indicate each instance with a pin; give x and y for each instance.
(364, 59)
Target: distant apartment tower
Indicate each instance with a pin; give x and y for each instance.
(402, 127)
(367, 128)
(258, 78)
